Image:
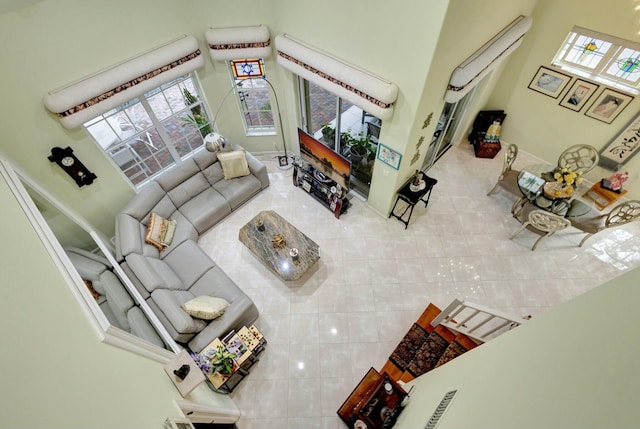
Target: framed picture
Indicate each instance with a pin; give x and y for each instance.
(578, 95)
(608, 105)
(389, 156)
(549, 81)
(623, 146)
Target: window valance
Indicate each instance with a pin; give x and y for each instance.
(93, 95)
(232, 43)
(473, 69)
(366, 90)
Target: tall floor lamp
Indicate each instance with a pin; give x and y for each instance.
(215, 142)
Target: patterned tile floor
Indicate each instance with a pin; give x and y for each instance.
(374, 278)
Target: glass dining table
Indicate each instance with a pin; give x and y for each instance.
(532, 180)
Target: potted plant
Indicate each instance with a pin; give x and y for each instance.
(359, 146)
(328, 133)
(223, 361)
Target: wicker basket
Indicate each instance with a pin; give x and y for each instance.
(557, 190)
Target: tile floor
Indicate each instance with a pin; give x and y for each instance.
(374, 278)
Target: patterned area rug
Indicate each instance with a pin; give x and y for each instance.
(427, 355)
(453, 351)
(409, 346)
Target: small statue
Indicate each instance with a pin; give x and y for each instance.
(182, 372)
(614, 183)
(493, 133)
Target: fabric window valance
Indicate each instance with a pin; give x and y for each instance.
(93, 95)
(232, 43)
(367, 91)
(484, 60)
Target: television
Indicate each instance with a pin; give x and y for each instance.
(324, 159)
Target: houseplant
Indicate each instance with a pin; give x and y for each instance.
(223, 362)
(359, 146)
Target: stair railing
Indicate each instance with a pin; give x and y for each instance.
(475, 321)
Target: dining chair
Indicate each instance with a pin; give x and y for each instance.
(621, 214)
(580, 157)
(508, 179)
(542, 222)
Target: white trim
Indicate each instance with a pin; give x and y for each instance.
(106, 332)
(199, 413)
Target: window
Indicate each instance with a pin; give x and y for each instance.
(148, 134)
(253, 96)
(601, 57)
(342, 126)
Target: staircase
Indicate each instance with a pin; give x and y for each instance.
(440, 336)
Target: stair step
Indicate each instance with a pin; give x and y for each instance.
(429, 353)
(461, 344)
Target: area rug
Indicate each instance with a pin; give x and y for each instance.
(405, 352)
(428, 354)
(454, 350)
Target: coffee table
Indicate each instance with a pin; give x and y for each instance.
(279, 260)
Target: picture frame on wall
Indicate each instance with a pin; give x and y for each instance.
(622, 147)
(549, 82)
(608, 105)
(579, 93)
(389, 156)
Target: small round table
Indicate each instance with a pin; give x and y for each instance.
(531, 181)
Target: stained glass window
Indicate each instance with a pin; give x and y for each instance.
(253, 95)
(601, 57)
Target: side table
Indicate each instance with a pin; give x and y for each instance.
(410, 198)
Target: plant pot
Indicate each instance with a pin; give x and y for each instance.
(357, 154)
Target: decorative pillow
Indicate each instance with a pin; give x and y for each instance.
(160, 231)
(205, 307)
(234, 164)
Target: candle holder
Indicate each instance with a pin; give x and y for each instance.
(260, 225)
(294, 254)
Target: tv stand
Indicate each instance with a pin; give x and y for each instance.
(326, 191)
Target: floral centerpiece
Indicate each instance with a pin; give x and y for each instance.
(565, 181)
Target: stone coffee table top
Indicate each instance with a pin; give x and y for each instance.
(279, 259)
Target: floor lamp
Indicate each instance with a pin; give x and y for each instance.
(215, 142)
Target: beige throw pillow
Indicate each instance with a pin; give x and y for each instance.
(234, 164)
(205, 307)
(160, 231)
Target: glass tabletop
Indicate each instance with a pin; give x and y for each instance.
(531, 181)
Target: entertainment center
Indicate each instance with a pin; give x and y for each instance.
(322, 173)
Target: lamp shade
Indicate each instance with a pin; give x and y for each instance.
(214, 142)
(231, 43)
(484, 60)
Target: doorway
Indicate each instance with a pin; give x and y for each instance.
(447, 129)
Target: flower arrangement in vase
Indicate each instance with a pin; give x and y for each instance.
(565, 181)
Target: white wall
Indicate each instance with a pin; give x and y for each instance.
(575, 366)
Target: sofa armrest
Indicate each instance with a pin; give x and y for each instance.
(258, 169)
(153, 273)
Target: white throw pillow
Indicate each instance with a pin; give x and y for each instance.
(205, 307)
(234, 164)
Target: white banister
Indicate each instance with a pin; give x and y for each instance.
(473, 317)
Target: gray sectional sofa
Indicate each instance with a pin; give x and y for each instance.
(197, 196)
(114, 300)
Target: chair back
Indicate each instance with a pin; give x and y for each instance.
(509, 158)
(623, 213)
(580, 157)
(547, 222)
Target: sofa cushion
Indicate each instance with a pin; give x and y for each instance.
(118, 298)
(205, 307)
(239, 190)
(177, 174)
(213, 173)
(130, 235)
(188, 189)
(206, 209)
(153, 273)
(169, 302)
(215, 282)
(189, 262)
(146, 200)
(142, 328)
(234, 164)
(204, 158)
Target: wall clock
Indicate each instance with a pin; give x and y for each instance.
(72, 165)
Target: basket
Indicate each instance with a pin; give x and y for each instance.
(557, 190)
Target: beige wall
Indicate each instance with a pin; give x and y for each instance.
(56, 372)
(536, 122)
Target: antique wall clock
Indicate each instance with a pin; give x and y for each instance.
(72, 165)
